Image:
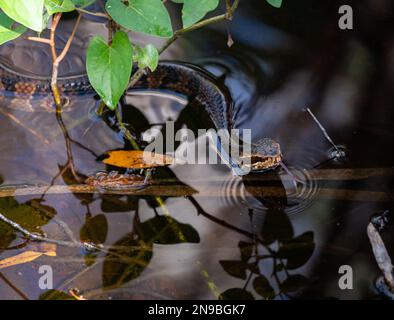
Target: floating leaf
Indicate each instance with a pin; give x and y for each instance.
(109, 67)
(235, 268)
(297, 251)
(30, 13)
(27, 256)
(7, 30)
(137, 159)
(146, 16)
(263, 287)
(236, 294)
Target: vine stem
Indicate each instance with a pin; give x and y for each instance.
(96, 14)
(58, 58)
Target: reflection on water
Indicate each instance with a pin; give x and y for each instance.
(261, 236)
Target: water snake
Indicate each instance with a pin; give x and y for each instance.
(32, 93)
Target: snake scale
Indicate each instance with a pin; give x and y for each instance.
(30, 93)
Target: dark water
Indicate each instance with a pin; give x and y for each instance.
(298, 59)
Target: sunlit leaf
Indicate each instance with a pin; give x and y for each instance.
(109, 67)
(194, 10)
(275, 3)
(137, 159)
(146, 16)
(235, 268)
(82, 3)
(262, 286)
(54, 6)
(146, 57)
(236, 294)
(30, 13)
(8, 31)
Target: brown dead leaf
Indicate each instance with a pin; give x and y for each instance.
(137, 159)
(28, 256)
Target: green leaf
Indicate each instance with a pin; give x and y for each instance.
(263, 287)
(7, 31)
(194, 10)
(30, 13)
(109, 67)
(236, 294)
(82, 3)
(145, 16)
(54, 6)
(275, 3)
(146, 57)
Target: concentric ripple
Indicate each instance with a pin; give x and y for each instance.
(294, 189)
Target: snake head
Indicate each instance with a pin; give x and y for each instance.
(265, 154)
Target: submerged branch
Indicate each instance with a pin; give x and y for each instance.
(381, 255)
(180, 190)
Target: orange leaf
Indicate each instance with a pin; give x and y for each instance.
(137, 159)
(27, 256)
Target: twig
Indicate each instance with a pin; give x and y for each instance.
(381, 255)
(54, 87)
(97, 14)
(339, 152)
(71, 244)
(17, 121)
(57, 59)
(182, 190)
(70, 158)
(38, 39)
(18, 291)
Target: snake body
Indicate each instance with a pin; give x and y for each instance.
(32, 93)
